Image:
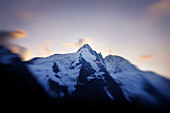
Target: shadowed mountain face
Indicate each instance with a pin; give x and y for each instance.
(84, 79)
(19, 89)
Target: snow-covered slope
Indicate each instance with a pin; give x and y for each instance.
(146, 88)
(58, 68)
(86, 75)
(64, 69)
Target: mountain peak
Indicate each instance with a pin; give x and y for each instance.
(87, 46)
(119, 64)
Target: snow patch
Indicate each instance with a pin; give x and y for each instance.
(84, 52)
(98, 75)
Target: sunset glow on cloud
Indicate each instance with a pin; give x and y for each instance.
(80, 42)
(109, 51)
(5, 40)
(5, 35)
(23, 52)
(19, 34)
(157, 11)
(145, 57)
(135, 29)
(44, 50)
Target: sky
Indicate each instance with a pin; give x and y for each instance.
(138, 30)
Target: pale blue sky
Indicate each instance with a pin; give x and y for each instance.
(135, 29)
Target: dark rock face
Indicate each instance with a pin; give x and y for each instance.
(55, 68)
(93, 92)
(19, 89)
(57, 88)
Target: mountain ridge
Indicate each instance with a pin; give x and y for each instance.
(88, 80)
(120, 72)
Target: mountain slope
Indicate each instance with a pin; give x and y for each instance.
(138, 86)
(81, 75)
(85, 77)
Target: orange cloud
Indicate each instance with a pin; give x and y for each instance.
(19, 34)
(15, 49)
(108, 51)
(7, 35)
(68, 45)
(80, 42)
(23, 52)
(5, 40)
(157, 11)
(145, 57)
(43, 50)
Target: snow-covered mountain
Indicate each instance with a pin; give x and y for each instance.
(88, 78)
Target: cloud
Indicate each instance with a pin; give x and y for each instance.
(5, 35)
(80, 42)
(23, 52)
(46, 46)
(43, 50)
(145, 57)
(19, 34)
(69, 45)
(108, 51)
(5, 40)
(156, 12)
